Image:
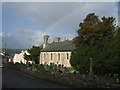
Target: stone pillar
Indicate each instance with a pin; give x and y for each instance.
(91, 67)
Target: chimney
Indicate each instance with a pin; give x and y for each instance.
(56, 39)
(46, 40)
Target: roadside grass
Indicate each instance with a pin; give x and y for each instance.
(71, 70)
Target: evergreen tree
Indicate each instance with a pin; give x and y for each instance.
(99, 40)
(34, 54)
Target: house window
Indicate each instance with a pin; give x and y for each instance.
(67, 56)
(58, 56)
(51, 56)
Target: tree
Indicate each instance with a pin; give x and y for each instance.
(93, 29)
(34, 54)
(27, 57)
(84, 41)
(96, 39)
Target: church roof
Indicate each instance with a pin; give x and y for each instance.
(59, 46)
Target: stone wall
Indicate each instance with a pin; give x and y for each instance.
(72, 80)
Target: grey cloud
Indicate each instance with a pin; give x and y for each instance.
(23, 38)
(46, 14)
(43, 13)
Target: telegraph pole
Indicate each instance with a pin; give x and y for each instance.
(5, 49)
(64, 38)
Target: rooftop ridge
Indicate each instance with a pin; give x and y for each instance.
(66, 45)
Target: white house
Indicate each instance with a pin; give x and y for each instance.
(2, 53)
(20, 57)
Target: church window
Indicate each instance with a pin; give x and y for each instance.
(51, 56)
(44, 56)
(67, 56)
(58, 56)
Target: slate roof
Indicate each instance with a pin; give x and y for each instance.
(59, 46)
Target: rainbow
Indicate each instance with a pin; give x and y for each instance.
(66, 16)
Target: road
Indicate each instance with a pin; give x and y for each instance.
(14, 79)
(0, 78)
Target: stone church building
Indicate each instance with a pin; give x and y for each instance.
(57, 52)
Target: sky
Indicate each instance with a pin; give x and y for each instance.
(25, 23)
(0, 26)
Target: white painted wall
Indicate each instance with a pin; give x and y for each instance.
(2, 53)
(20, 57)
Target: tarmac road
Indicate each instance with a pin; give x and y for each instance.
(14, 79)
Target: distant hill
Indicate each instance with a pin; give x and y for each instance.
(11, 52)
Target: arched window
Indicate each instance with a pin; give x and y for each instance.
(67, 56)
(44, 56)
(51, 56)
(58, 56)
